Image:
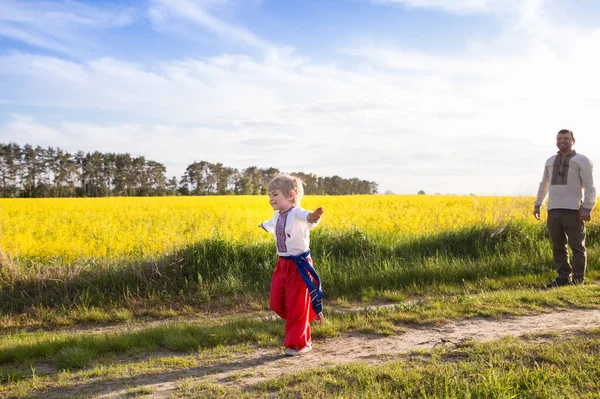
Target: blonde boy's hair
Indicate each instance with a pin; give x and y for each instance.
(286, 184)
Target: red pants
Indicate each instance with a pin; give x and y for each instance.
(290, 300)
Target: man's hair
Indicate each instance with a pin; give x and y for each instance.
(286, 184)
(567, 131)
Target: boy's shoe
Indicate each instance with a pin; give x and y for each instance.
(559, 282)
(297, 352)
(320, 318)
(577, 280)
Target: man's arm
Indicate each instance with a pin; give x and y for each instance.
(589, 190)
(542, 192)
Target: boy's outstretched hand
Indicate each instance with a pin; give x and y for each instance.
(319, 318)
(315, 215)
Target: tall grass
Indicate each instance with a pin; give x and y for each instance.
(349, 263)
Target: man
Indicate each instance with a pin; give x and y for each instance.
(569, 184)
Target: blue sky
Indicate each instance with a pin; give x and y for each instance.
(444, 96)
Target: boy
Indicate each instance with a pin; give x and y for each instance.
(296, 294)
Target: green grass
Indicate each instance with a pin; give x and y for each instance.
(349, 262)
(74, 351)
(124, 372)
(219, 276)
(485, 270)
(507, 369)
(565, 367)
(543, 365)
(137, 392)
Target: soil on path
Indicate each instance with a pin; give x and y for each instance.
(260, 364)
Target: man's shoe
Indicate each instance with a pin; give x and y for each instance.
(297, 352)
(577, 281)
(559, 282)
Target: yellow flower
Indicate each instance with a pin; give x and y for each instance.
(145, 228)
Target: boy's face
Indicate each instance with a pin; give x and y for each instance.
(280, 202)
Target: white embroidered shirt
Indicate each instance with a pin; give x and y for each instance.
(291, 230)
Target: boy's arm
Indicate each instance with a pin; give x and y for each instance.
(269, 225)
(315, 215)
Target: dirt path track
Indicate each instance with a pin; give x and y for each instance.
(268, 363)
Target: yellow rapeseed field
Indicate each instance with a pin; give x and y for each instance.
(141, 228)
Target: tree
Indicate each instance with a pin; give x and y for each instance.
(184, 184)
(255, 176)
(49, 169)
(373, 187)
(266, 176)
(138, 179)
(65, 173)
(311, 182)
(222, 176)
(10, 169)
(53, 172)
(156, 174)
(171, 186)
(31, 171)
(199, 178)
(109, 169)
(243, 185)
(93, 175)
(421, 192)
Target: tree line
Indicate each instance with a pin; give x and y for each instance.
(36, 172)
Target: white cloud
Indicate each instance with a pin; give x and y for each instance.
(24, 129)
(162, 11)
(482, 121)
(501, 7)
(32, 39)
(45, 15)
(450, 125)
(58, 26)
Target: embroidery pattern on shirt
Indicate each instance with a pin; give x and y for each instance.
(560, 169)
(280, 231)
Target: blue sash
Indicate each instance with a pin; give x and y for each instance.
(305, 268)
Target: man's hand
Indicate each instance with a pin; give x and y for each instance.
(315, 215)
(536, 213)
(584, 216)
